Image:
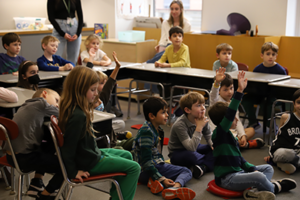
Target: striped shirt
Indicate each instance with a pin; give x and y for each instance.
(227, 155)
(147, 148)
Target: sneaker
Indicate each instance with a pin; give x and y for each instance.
(198, 171)
(124, 135)
(179, 193)
(116, 111)
(288, 168)
(256, 143)
(284, 185)
(36, 186)
(155, 186)
(258, 195)
(43, 197)
(255, 126)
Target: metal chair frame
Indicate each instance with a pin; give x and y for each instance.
(4, 130)
(274, 116)
(139, 92)
(178, 96)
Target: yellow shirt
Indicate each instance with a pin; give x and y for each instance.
(179, 59)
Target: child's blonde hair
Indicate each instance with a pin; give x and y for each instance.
(102, 76)
(223, 46)
(47, 39)
(92, 37)
(41, 90)
(189, 99)
(75, 87)
(269, 45)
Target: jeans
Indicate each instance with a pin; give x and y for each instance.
(177, 173)
(242, 180)
(202, 156)
(287, 156)
(73, 48)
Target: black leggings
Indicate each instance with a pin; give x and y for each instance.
(41, 163)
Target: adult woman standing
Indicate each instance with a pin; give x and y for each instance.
(67, 29)
(176, 19)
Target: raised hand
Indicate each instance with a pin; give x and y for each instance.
(242, 81)
(220, 74)
(116, 59)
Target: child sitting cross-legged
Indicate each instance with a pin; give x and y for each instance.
(285, 149)
(222, 90)
(147, 151)
(186, 133)
(231, 170)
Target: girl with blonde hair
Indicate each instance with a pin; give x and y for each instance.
(81, 156)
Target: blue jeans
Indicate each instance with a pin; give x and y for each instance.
(176, 173)
(242, 180)
(73, 48)
(202, 156)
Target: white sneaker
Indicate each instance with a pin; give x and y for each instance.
(288, 168)
(258, 195)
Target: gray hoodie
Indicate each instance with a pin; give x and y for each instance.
(30, 118)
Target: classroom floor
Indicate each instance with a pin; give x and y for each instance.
(254, 156)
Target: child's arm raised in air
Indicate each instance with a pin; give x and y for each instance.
(117, 68)
(214, 92)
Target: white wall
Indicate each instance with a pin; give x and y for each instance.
(94, 11)
(269, 15)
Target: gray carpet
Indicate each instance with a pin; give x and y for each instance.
(254, 156)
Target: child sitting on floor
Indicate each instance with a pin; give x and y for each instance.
(231, 170)
(147, 151)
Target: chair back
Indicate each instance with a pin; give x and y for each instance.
(242, 66)
(58, 134)
(58, 141)
(286, 70)
(8, 129)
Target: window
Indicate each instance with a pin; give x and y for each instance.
(192, 11)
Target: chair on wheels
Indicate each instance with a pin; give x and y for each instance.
(58, 141)
(9, 131)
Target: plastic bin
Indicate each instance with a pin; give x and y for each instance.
(131, 36)
(30, 23)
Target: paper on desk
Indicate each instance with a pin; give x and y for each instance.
(99, 69)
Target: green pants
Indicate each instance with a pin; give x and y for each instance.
(116, 160)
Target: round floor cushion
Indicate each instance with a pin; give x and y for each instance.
(213, 188)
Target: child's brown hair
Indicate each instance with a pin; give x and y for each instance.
(269, 45)
(10, 38)
(223, 46)
(189, 99)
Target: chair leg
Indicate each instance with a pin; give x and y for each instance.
(129, 99)
(20, 188)
(5, 178)
(118, 189)
(61, 190)
(13, 191)
(69, 194)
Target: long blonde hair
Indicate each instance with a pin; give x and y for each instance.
(171, 20)
(75, 87)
